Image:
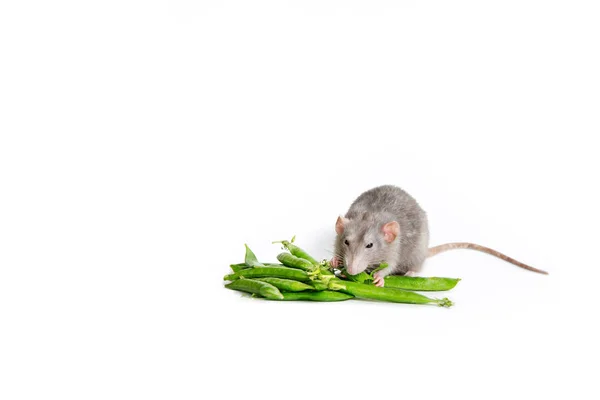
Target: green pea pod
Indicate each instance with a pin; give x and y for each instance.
(297, 251)
(325, 295)
(432, 284)
(288, 285)
(418, 283)
(371, 292)
(239, 267)
(265, 272)
(380, 267)
(263, 289)
(319, 285)
(362, 277)
(290, 260)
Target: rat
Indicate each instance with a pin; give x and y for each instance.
(386, 224)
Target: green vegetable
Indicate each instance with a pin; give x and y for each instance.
(251, 259)
(297, 251)
(286, 284)
(264, 272)
(290, 260)
(420, 283)
(371, 292)
(301, 277)
(325, 295)
(319, 285)
(238, 267)
(363, 277)
(257, 287)
(244, 265)
(406, 282)
(380, 267)
(325, 271)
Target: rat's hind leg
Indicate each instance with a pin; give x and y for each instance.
(413, 266)
(405, 270)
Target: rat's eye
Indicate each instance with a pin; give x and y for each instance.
(347, 242)
(369, 245)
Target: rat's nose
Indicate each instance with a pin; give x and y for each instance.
(353, 269)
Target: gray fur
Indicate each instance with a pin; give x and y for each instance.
(367, 215)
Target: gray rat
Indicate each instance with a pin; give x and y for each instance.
(386, 224)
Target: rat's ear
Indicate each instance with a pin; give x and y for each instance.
(390, 231)
(340, 224)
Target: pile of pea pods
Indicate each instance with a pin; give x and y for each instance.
(300, 277)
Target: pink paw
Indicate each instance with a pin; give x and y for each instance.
(335, 262)
(378, 280)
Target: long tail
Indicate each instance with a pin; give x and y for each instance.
(451, 246)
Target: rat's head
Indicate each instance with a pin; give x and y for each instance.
(363, 241)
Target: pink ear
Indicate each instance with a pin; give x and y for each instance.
(339, 224)
(390, 231)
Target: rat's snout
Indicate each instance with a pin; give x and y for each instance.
(354, 266)
(353, 270)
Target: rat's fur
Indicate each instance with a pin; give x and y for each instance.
(363, 224)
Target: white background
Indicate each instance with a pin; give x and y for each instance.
(143, 143)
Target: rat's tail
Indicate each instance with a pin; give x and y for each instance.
(451, 246)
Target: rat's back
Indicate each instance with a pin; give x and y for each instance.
(386, 199)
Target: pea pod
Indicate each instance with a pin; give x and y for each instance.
(286, 284)
(319, 285)
(325, 271)
(297, 251)
(263, 289)
(407, 282)
(420, 283)
(264, 272)
(239, 267)
(371, 292)
(362, 277)
(325, 295)
(290, 260)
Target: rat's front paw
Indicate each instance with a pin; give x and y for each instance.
(335, 262)
(378, 279)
